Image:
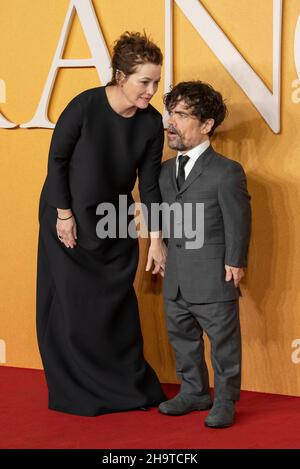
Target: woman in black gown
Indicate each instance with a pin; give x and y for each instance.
(87, 315)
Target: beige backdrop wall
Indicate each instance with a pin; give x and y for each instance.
(270, 307)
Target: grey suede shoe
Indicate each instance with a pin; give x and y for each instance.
(185, 403)
(221, 415)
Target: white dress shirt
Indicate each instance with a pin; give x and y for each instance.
(193, 154)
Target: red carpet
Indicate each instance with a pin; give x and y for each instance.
(264, 421)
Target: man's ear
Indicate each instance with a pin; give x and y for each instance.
(207, 126)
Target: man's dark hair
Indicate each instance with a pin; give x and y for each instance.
(204, 102)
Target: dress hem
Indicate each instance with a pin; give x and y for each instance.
(103, 412)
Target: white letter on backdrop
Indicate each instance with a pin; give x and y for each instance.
(99, 52)
(267, 103)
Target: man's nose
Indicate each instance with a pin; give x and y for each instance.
(171, 121)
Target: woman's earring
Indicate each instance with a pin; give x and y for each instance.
(119, 78)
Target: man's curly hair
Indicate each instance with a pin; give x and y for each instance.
(204, 102)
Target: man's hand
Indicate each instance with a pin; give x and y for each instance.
(236, 272)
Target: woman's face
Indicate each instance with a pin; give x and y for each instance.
(140, 86)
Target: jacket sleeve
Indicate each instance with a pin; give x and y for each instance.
(65, 136)
(234, 201)
(148, 173)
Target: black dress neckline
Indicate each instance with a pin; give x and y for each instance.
(108, 105)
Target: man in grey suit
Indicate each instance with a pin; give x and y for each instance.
(201, 286)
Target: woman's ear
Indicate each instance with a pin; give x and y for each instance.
(120, 77)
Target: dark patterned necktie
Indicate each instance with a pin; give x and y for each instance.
(183, 159)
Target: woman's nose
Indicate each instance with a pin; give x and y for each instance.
(151, 89)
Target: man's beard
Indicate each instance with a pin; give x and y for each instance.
(179, 145)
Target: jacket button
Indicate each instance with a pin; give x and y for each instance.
(178, 197)
(178, 245)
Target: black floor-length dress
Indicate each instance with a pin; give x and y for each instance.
(87, 315)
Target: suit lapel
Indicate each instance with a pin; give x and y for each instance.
(197, 169)
(172, 169)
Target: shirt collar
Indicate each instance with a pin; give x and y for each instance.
(195, 152)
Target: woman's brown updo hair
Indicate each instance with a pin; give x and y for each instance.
(133, 49)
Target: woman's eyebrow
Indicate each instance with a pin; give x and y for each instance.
(147, 78)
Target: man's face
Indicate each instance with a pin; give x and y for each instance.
(185, 131)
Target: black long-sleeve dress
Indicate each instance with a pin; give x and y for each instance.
(87, 315)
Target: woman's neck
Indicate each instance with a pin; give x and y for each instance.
(118, 101)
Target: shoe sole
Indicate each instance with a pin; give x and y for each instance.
(187, 412)
(218, 426)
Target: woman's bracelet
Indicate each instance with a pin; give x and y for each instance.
(64, 218)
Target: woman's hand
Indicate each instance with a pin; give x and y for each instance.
(66, 229)
(157, 253)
